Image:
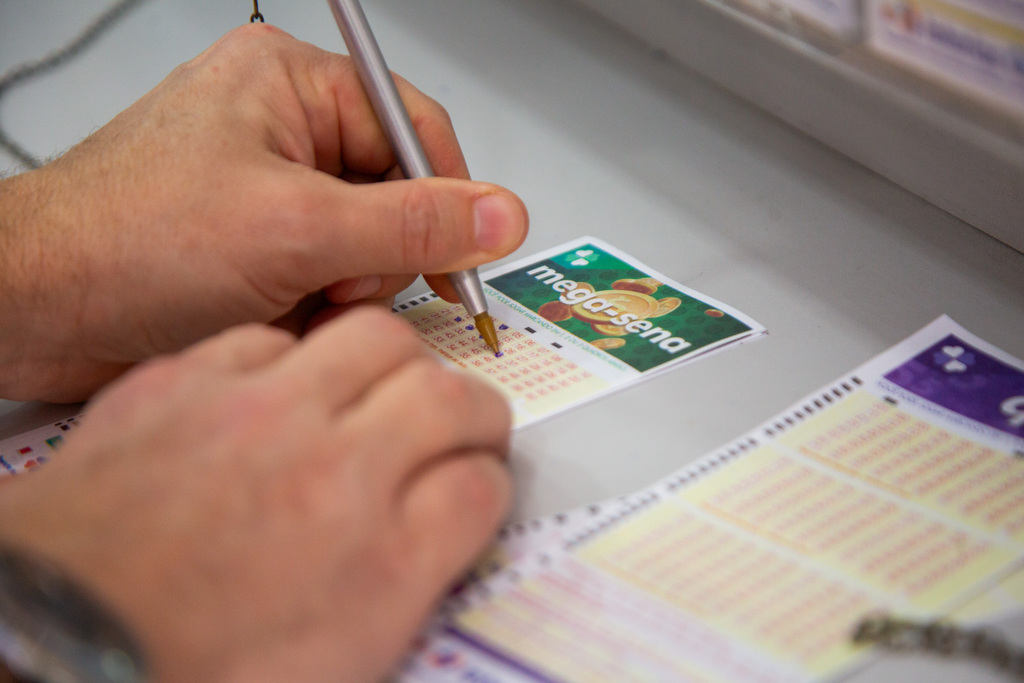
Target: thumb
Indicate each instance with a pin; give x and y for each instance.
(427, 225)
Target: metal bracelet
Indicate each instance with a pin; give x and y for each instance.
(904, 635)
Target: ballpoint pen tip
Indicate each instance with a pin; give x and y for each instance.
(486, 327)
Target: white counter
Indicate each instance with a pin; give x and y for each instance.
(601, 136)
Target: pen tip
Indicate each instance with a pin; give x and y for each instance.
(487, 331)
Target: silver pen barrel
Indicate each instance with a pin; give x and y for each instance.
(394, 118)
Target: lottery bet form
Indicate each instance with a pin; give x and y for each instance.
(576, 322)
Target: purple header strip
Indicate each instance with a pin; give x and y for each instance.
(967, 381)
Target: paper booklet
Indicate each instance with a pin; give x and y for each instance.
(899, 487)
(575, 322)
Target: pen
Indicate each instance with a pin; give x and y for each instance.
(380, 88)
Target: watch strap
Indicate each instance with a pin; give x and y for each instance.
(55, 631)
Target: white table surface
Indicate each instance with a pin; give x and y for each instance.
(601, 136)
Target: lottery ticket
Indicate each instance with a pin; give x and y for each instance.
(575, 322)
(897, 488)
(28, 450)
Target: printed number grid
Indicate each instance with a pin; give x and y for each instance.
(535, 377)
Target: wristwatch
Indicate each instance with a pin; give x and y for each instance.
(53, 631)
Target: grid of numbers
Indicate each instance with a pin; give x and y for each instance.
(528, 371)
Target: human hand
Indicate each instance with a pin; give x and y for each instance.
(213, 201)
(261, 509)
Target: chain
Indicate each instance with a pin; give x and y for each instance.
(28, 70)
(942, 638)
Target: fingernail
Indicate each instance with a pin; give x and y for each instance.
(368, 284)
(499, 221)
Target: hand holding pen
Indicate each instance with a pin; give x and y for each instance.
(381, 90)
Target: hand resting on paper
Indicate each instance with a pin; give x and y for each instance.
(251, 512)
(213, 201)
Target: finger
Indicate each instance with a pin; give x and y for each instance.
(329, 123)
(240, 349)
(345, 133)
(371, 154)
(340, 360)
(429, 225)
(435, 130)
(452, 511)
(423, 411)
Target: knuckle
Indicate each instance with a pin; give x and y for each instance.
(248, 411)
(385, 324)
(434, 114)
(264, 338)
(403, 342)
(155, 377)
(461, 395)
(237, 43)
(436, 130)
(253, 35)
(451, 388)
(257, 333)
(485, 492)
(272, 334)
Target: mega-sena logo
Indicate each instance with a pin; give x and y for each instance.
(614, 312)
